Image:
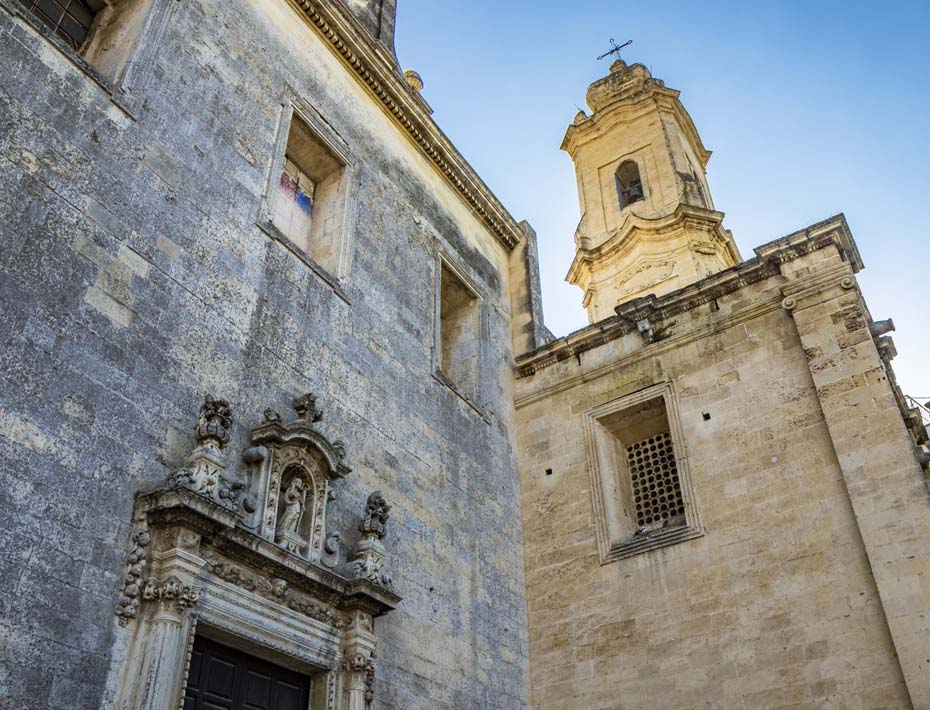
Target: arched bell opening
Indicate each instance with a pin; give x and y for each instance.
(629, 184)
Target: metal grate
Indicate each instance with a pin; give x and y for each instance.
(69, 19)
(654, 474)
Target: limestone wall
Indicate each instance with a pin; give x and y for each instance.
(775, 606)
(134, 278)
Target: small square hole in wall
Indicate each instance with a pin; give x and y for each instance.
(307, 205)
(459, 337)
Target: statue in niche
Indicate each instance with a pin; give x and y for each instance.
(294, 505)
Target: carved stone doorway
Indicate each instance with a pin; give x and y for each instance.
(250, 558)
(223, 678)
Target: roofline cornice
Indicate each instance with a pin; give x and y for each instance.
(372, 66)
(833, 231)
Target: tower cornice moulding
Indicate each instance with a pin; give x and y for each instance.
(372, 65)
(634, 227)
(623, 110)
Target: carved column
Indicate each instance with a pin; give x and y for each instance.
(164, 656)
(158, 651)
(358, 664)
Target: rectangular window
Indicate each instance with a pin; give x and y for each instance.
(459, 336)
(639, 474)
(308, 198)
(105, 35)
(71, 20)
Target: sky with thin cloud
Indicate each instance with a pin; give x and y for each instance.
(810, 109)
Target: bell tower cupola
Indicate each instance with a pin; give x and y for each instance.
(648, 223)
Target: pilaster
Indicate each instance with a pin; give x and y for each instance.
(877, 456)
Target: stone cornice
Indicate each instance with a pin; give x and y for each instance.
(180, 507)
(658, 98)
(766, 264)
(375, 69)
(626, 235)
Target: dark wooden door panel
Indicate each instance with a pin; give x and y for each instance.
(223, 678)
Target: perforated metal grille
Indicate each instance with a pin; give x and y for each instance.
(656, 489)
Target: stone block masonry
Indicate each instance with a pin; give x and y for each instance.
(134, 278)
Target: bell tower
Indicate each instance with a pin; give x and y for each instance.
(648, 223)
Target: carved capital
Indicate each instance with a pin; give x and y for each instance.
(364, 668)
(171, 594)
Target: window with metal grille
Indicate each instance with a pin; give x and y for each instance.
(654, 476)
(69, 19)
(641, 485)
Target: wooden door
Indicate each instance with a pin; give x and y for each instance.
(222, 678)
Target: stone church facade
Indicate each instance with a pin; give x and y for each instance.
(282, 425)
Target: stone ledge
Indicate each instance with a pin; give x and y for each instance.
(652, 540)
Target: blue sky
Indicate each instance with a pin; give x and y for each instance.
(810, 108)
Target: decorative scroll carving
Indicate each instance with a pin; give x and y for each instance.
(296, 463)
(332, 550)
(206, 527)
(127, 605)
(369, 554)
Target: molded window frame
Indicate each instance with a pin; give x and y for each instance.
(125, 88)
(293, 105)
(642, 182)
(472, 399)
(612, 543)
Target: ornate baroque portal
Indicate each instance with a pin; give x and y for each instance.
(252, 564)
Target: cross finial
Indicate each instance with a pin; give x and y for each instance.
(615, 48)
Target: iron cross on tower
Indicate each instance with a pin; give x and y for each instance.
(616, 48)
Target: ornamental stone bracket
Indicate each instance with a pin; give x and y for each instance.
(246, 558)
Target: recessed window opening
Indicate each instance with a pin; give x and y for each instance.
(646, 467)
(307, 203)
(629, 183)
(459, 341)
(71, 20)
(105, 33)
